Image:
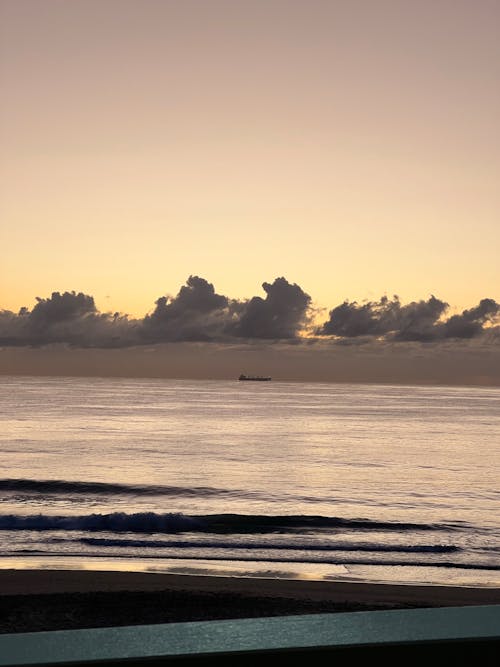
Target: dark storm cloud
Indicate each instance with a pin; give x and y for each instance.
(196, 313)
(281, 315)
(413, 321)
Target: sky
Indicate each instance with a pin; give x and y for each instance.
(350, 147)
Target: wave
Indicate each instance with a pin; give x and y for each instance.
(59, 487)
(142, 522)
(257, 523)
(51, 487)
(151, 522)
(285, 546)
(63, 487)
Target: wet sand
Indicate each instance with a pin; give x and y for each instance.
(36, 600)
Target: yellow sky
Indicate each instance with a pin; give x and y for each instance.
(350, 146)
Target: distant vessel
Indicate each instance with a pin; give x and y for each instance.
(254, 378)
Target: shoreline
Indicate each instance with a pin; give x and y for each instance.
(41, 600)
(50, 581)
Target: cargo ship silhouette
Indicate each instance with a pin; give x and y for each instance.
(254, 378)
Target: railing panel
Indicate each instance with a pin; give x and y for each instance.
(458, 629)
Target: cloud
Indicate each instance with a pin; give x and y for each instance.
(197, 313)
(470, 323)
(413, 321)
(281, 315)
(11, 330)
(418, 321)
(69, 317)
(51, 320)
(60, 308)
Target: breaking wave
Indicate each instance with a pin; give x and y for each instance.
(151, 522)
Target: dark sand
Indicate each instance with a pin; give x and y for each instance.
(36, 600)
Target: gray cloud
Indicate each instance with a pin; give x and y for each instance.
(413, 321)
(69, 317)
(11, 329)
(198, 313)
(55, 319)
(280, 315)
(470, 323)
(418, 321)
(60, 308)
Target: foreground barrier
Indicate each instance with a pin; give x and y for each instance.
(455, 633)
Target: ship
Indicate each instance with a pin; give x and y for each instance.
(254, 378)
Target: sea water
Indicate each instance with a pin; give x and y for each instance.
(274, 479)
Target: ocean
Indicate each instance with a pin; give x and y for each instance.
(343, 482)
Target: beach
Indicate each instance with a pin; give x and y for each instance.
(38, 600)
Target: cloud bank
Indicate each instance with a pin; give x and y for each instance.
(198, 313)
(420, 321)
